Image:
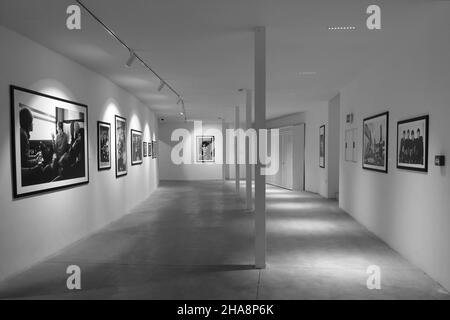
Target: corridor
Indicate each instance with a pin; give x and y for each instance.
(194, 240)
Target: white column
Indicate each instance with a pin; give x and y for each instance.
(248, 166)
(236, 152)
(224, 152)
(260, 123)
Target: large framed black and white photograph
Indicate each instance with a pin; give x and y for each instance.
(322, 146)
(412, 144)
(121, 146)
(136, 147)
(376, 142)
(205, 149)
(104, 145)
(49, 142)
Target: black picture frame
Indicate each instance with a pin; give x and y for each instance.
(150, 149)
(145, 149)
(121, 141)
(372, 152)
(417, 158)
(154, 149)
(45, 173)
(200, 141)
(101, 153)
(136, 147)
(322, 146)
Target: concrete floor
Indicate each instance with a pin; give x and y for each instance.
(194, 241)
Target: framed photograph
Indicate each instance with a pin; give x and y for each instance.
(104, 145)
(136, 147)
(145, 149)
(150, 149)
(205, 149)
(49, 142)
(412, 144)
(154, 149)
(322, 147)
(121, 146)
(376, 143)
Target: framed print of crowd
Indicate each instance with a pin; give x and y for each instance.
(322, 147)
(121, 146)
(104, 145)
(376, 142)
(412, 144)
(205, 149)
(136, 147)
(49, 142)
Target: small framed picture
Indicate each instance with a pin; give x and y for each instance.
(322, 146)
(205, 149)
(136, 147)
(412, 144)
(104, 145)
(121, 146)
(150, 149)
(145, 149)
(154, 149)
(376, 143)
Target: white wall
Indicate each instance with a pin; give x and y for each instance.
(408, 210)
(193, 171)
(316, 178)
(333, 150)
(36, 227)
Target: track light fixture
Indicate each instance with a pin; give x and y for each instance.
(131, 59)
(161, 86)
(133, 55)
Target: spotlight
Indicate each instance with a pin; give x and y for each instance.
(179, 100)
(161, 86)
(181, 114)
(130, 59)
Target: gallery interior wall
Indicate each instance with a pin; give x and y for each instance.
(333, 150)
(408, 210)
(36, 227)
(316, 178)
(194, 171)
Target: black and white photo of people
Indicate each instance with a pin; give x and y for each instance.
(412, 143)
(50, 143)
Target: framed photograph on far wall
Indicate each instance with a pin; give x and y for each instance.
(412, 144)
(103, 145)
(121, 146)
(322, 146)
(205, 149)
(154, 149)
(49, 142)
(150, 149)
(136, 147)
(145, 149)
(376, 143)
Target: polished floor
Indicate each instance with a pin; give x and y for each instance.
(195, 241)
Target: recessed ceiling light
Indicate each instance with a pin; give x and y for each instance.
(345, 28)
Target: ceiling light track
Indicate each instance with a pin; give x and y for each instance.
(133, 55)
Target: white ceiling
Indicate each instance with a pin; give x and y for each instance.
(204, 48)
